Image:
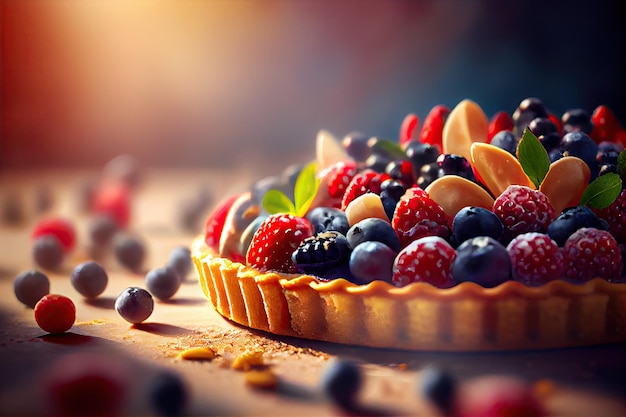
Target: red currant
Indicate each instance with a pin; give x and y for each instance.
(55, 313)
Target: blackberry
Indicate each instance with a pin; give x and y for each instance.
(321, 254)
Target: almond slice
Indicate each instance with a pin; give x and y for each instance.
(497, 168)
(466, 124)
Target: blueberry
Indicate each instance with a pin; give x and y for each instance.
(506, 140)
(401, 171)
(579, 144)
(439, 388)
(30, 286)
(341, 381)
(570, 220)
(390, 193)
(180, 261)
(428, 174)
(47, 252)
(542, 126)
(89, 279)
(325, 219)
(371, 261)
(377, 162)
(162, 283)
(456, 165)
(134, 304)
(472, 222)
(102, 228)
(577, 119)
(168, 394)
(322, 252)
(355, 144)
(130, 251)
(529, 109)
(482, 260)
(421, 154)
(373, 229)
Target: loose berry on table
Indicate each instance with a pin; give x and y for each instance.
(48, 252)
(130, 251)
(134, 304)
(58, 227)
(438, 387)
(168, 394)
(163, 283)
(55, 313)
(341, 382)
(179, 259)
(30, 286)
(89, 279)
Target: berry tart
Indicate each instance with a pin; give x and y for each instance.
(469, 234)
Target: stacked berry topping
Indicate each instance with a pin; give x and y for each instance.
(526, 197)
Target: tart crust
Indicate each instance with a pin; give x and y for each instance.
(418, 316)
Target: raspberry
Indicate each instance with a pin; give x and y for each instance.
(523, 210)
(615, 216)
(58, 227)
(114, 199)
(55, 313)
(428, 259)
(417, 215)
(339, 176)
(366, 182)
(536, 259)
(591, 253)
(275, 241)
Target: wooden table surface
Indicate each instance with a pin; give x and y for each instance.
(590, 380)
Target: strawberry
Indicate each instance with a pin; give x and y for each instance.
(536, 259)
(591, 253)
(339, 176)
(215, 223)
(432, 130)
(409, 129)
(615, 216)
(523, 210)
(274, 243)
(58, 227)
(365, 182)
(606, 127)
(428, 259)
(500, 121)
(417, 215)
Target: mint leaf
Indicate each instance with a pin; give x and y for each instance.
(602, 191)
(388, 147)
(533, 157)
(275, 202)
(305, 189)
(621, 165)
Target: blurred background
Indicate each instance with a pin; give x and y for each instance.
(221, 82)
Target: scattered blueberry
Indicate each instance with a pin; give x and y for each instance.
(48, 252)
(439, 388)
(30, 286)
(168, 394)
(101, 229)
(482, 260)
(134, 304)
(341, 381)
(324, 219)
(192, 209)
(90, 279)
(130, 251)
(162, 283)
(371, 261)
(472, 222)
(373, 229)
(180, 261)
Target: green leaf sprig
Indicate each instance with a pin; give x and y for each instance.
(533, 157)
(304, 192)
(535, 162)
